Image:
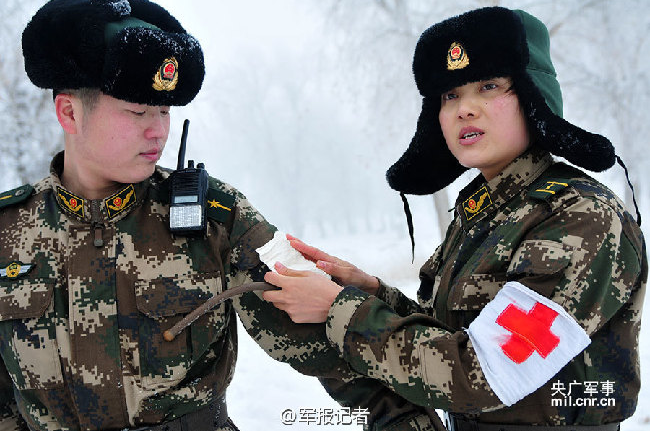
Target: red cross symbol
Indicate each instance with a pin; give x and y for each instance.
(530, 331)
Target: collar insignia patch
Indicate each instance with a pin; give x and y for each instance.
(167, 75)
(71, 202)
(457, 57)
(477, 203)
(116, 204)
(15, 269)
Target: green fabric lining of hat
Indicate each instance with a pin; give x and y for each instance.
(540, 67)
(113, 28)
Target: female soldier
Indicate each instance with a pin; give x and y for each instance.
(529, 312)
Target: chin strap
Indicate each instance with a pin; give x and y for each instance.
(637, 210)
(410, 224)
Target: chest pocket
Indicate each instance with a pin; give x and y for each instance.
(162, 303)
(540, 264)
(28, 335)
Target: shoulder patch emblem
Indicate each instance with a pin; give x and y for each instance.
(15, 269)
(548, 188)
(119, 202)
(219, 205)
(71, 202)
(15, 196)
(477, 203)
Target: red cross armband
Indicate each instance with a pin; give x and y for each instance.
(522, 340)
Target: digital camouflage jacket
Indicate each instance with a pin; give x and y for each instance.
(87, 289)
(554, 230)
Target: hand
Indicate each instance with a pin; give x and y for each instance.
(342, 271)
(305, 295)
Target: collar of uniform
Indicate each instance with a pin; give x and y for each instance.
(105, 210)
(480, 198)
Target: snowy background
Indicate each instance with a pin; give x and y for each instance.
(307, 103)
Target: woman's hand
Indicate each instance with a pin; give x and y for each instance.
(342, 271)
(305, 295)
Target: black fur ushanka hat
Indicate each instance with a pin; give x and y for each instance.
(482, 44)
(133, 50)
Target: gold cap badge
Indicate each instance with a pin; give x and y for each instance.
(167, 75)
(457, 57)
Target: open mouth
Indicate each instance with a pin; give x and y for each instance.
(470, 135)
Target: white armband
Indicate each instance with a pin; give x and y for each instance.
(522, 340)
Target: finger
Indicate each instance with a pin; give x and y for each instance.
(310, 252)
(273, 279)
(334, 269)
(275, 297)
(285, 271)
(296, 241)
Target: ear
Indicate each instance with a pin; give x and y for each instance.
(69, 112)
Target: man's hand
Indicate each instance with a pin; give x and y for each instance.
(342, 271)
(305, 295)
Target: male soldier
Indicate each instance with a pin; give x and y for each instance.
(90, 275)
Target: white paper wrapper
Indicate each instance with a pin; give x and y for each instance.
(279, 250)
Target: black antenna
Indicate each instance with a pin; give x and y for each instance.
(184, 136)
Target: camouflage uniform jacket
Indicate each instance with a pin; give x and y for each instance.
(88, 287)
(556, 231)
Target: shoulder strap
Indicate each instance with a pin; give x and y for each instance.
(555, 179)
(15, 196)
(219, 205)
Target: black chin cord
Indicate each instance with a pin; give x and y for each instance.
(410, 224)
(637, 210)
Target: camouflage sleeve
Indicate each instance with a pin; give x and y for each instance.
(305, 347)
(412, 355)
(10, 419)
(432, 367)
(395, 298)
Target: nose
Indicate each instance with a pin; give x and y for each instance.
(158, 127)
(468, 107)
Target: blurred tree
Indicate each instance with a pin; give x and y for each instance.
(30, 134)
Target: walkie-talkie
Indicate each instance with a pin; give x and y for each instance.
(188, 194)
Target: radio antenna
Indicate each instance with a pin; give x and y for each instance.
(184, 136)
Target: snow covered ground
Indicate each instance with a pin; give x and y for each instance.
(263, 388)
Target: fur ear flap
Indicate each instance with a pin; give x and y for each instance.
(427, 166)
(556, 135)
